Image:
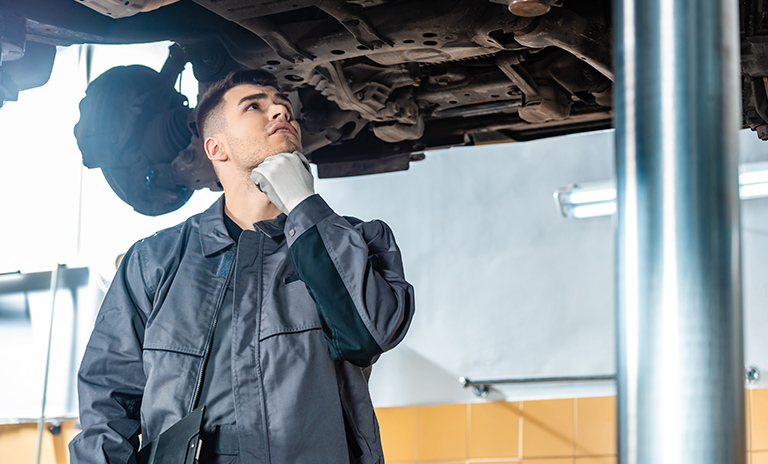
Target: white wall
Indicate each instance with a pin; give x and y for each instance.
(754, 251)
(505, 287)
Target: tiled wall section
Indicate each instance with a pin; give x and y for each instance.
(561, 431)
(18, 443)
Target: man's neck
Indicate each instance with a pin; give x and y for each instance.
(246, 204)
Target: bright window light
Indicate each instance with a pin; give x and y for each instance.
(594, 199)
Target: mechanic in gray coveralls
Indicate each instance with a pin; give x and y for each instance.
(265, 308)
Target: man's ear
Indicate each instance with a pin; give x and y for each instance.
(214, 149)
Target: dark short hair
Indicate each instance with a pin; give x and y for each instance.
(215, 94)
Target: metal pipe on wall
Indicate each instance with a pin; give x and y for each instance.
(680, 388)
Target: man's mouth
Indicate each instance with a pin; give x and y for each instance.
(282, 128)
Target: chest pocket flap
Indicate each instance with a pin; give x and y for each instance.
(288, 308)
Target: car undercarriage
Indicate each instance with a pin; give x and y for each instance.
(374, 83)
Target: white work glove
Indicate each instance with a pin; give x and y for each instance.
(286, 180)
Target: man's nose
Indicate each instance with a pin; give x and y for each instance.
(280, 112)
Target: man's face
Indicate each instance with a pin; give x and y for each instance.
(259, 123)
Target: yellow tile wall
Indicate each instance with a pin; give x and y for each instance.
(747, 417)
(398, 430)
(561, 431)
(494, 430)
(758, 419)
(548, 428)
(442, 432)
(595, 427)
(18, 442)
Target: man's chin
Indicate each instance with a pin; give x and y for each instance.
(285, 149)
(294, 146)
(288, 148)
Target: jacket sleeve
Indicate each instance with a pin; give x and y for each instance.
(111, 377)
(354, 273)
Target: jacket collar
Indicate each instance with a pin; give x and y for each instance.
(213, 233)
(272, 228)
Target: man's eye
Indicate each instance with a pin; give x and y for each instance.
(253, 106)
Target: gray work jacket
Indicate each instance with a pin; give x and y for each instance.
(325, 294)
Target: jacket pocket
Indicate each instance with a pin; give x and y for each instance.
(355, 451)
(289, 279)
(288, 308)
(361, 427)
(171, 378)
(180, 328)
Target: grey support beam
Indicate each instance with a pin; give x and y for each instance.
(680, 382)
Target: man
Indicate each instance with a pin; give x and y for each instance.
(266, 318)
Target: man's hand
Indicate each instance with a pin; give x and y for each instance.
(286, 180)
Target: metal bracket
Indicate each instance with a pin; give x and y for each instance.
(751, 374)
(510, 65)
(360, 29)
(277, 40)
(480, 390)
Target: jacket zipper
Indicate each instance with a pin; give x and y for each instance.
(209, 339)
(258, 350)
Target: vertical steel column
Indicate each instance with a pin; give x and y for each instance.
(678, 281)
